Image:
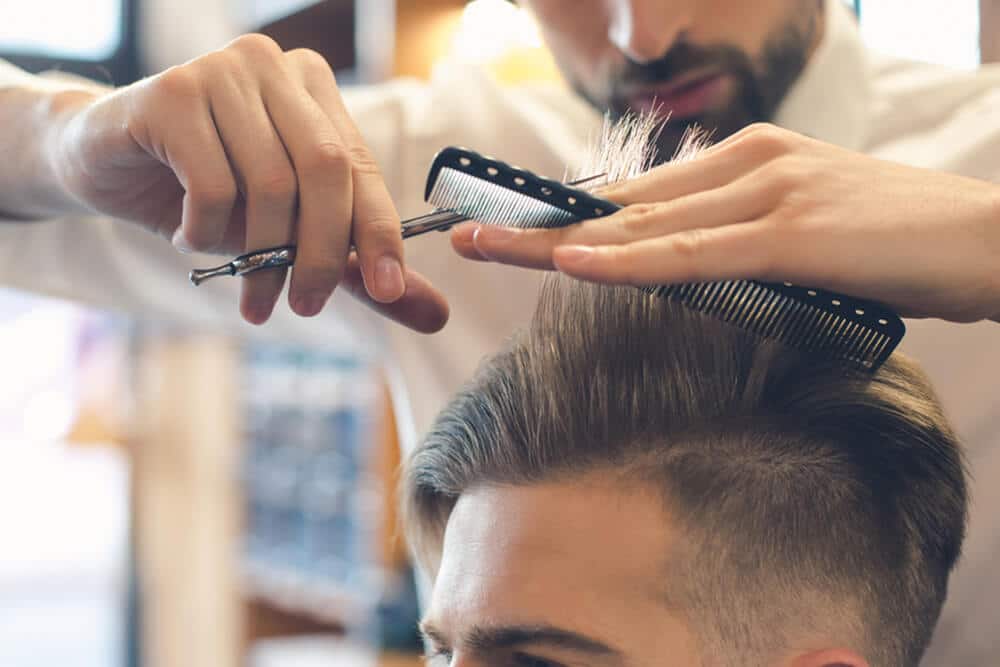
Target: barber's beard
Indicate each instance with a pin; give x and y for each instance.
(759, 87)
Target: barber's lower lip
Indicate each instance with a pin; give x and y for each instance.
(686, 101)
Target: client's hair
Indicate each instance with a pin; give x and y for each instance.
(812, 499)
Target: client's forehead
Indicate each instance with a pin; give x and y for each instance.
(585, 555)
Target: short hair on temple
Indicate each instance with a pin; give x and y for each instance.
(811, 497)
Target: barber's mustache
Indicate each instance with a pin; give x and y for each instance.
(680, 60)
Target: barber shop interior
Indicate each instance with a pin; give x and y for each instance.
(698, 368)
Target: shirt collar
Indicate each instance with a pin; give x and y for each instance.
(832, 99)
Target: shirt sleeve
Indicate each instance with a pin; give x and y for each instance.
(12, 76)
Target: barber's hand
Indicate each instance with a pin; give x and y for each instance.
(246, 148)
(772, 205)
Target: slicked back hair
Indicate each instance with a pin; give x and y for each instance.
(812, 499)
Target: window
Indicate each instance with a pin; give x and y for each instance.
(93, 38)
(937, 31)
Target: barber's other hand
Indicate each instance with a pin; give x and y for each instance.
(772, 205)
(245, 148)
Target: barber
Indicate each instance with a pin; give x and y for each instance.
(800, 64)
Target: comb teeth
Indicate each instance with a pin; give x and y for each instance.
(494, 204)
(819, 323)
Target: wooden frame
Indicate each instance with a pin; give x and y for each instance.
(989, 30)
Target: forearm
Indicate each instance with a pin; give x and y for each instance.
(34, 112)
(125, 269)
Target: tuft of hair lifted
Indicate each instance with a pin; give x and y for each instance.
(813, 500)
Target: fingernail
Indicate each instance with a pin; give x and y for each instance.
(180, 243)
(574, 254)
(496, 234)
(310, 305)
(389, 278)
(257, 315)
(464, 227)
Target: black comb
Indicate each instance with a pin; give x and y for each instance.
(862, 333)
(484, 189)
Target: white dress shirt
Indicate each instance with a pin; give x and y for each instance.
(908, 112)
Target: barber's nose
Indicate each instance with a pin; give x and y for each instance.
(644, 30)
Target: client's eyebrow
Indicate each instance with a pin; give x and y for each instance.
(487, 639)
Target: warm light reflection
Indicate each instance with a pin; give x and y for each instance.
(491, 30)
(502, 38)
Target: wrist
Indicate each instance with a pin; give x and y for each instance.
(61, 116)
(31, 183)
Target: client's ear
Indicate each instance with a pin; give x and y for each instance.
(830, 658)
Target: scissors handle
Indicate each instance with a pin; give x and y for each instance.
(269, 258)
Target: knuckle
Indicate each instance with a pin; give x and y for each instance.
(744, 132)
(256, 45)
(637, 217)
(782, 176)
(180, 81)
(690, 244)
(380, 230)
(310, 61)
(278, 184)
(363, 162)
(328, 155)
(759, 127)
(769, 141)
(221, 60)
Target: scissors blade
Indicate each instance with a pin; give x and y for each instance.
(440, 220)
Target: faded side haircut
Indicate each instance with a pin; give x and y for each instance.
(811, 499)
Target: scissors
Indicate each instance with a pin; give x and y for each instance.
(439, 220)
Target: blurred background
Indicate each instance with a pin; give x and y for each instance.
(261, 530)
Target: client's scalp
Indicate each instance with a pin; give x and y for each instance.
(812, 497)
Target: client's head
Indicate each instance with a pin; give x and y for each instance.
(632, 483)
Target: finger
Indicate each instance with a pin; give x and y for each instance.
(194, 151)
(265, 175)
(463, 241)
(235, 238)
(322, 172)
(715, 167)
(376, 225)
(743, 251)
(422, 308)
(746, 199)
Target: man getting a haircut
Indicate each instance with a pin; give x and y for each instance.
(633, 483)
